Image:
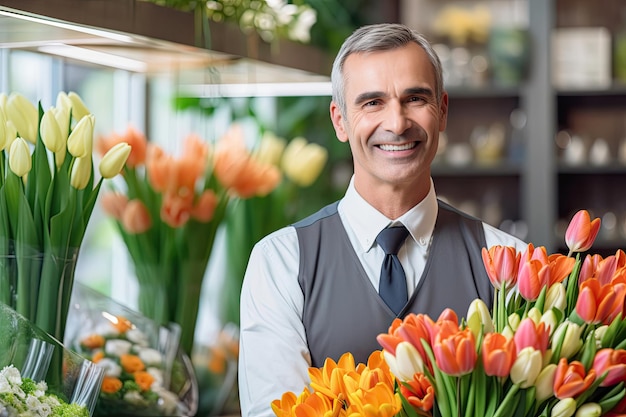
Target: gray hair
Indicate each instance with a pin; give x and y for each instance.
(380, 37)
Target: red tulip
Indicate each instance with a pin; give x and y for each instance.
(501, 263)
(419, 392)
(581, 232)
(613, 361)
(498, 354)
(571, 379)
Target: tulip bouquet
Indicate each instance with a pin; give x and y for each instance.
(554, 344)
(168, 211)
(47, 194)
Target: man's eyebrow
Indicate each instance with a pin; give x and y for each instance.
(372, 95)
(422, 91)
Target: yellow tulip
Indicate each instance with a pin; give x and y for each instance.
(24, 116)
(79, 110)
(302, 162)
(526, 367)
(81, 172)
(572, 341)
(114, 160)
(535, 315)
(270, 149)
(3, 131)
(564, 408)
(80, 141)
(544, 382)
(51, 132)
(589, 410)
(555, 298)
(11, 134)
(59, 157)
(479, 318)
(20, 160)
(514, 320)
(3, 100)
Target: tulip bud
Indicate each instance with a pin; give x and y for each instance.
(113, 161)
(555, 298)
(20, 160)
(479, 318)
(514, 320)
(136, 218)
(564, 408)
(50, 132)
(508, 332)
(114, 205)
(81, 173)
(63, 101)
(589, 410)
(598, 335)
(11, 134)
(59, 157)
(79, 110)
(550, 320)
(80, 141)
(24, 116)
(302, 162)
(406, 362)
(270, 149)
(544, 382)
(535, 315)
(572, 341)
(581, 232)
(62, 115)
(526, 367)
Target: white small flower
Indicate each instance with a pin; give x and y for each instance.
(157, 374)
(134, 397)
(150, 356)
(105, 329)
(117, 347)
(111, 368)
(137, 336)
(12, 374)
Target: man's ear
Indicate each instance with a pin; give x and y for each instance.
(338, 122)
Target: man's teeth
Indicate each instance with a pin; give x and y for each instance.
(398, 147)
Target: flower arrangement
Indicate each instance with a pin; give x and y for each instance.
(25, 397)
(169, 211)
(552, 345)
(47, 195)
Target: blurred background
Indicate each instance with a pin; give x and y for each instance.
(537, 121)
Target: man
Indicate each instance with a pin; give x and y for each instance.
(311, 290)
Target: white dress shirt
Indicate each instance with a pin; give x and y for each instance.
(274, 356)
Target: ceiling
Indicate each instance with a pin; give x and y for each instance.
(139, 36)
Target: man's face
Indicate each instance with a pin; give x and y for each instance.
(392, 119)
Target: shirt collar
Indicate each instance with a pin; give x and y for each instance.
(367, 222)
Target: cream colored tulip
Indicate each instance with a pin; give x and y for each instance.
(24, 116)
(51, 132)
(514, 320)
(59, 157)
(20, 160)
(303, 162)
(571, 334)
(79, 110)
(3, 100)
(80, 141)
(406, 362)
(550, 320)
(113, 161)
(81, 172)
(63, 119)
(564, 408)
(598, 335)
(270, 149)
(544, 383)
(535, 315)
(526, 367)
(556, 298)
(479, 318)
(589, 410)
(4, 138)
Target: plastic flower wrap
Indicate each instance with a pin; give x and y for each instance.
(169, 209)
(553, 344)
(144, 372)
(30, 384)
(48, 189)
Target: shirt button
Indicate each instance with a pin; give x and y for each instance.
(422, 241)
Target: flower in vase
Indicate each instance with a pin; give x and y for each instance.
(168, 210)
(47, 194)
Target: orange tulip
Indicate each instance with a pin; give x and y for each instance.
(136, 218)
(380, 401)
(419, 392)
(571, 379)
(176, 208)
(455, 350)
(502, 264)
(612, 361)
(122, 324)
(205, 206)
(581, 232)
(111, 385)
(114, 205)
(598, 303)
(131, 363)
(498, 354)
(529, 334)
(538, 270)
(329, 380)
(158, 165)
(143, 379)
(413, 329)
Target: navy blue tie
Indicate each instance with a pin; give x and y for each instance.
(392, 285)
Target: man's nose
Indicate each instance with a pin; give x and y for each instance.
(396, 119)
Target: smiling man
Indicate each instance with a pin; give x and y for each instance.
(325, 285)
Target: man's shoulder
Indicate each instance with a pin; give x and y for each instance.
(323, 213)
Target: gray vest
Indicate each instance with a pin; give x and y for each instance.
(342, 310)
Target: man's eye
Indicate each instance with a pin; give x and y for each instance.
(371, 103)
(416, 99)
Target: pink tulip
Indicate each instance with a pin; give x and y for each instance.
(581, 232)
(613, 361)
(501, 263)
(136, 218)
(529, 334)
